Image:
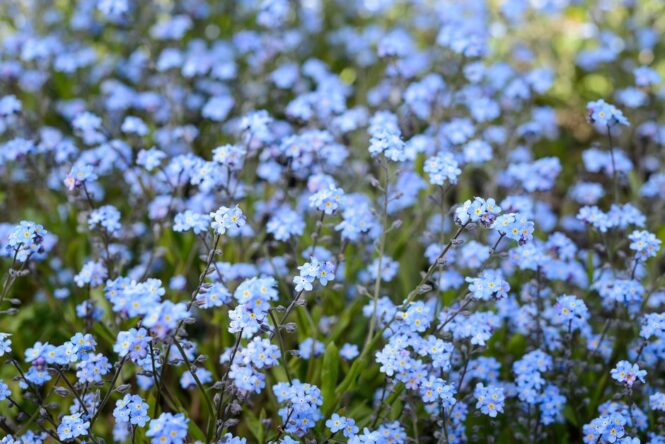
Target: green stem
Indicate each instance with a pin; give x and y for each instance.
(202, 389)
(277, 327)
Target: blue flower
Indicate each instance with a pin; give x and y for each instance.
(113, 9)
(261, 353)
(106, 217)
(302, 406)
(604, 114)
(189, 220)
(388, 141)
(571, 312)
(539, 175)
(349, 351)
(164, 317)
(79, 175)
(336, 423)
(489, 399)
(92, 368)
(644, 244)
(477, 151)
(134, 342)
(150, 159)
(285, 224)
(5, 344)
(9, 105)
(134, 125)
(214, 295)
(72, 426)
(273, 13)
(514, 226)
(89, 127)
(247, 379)
(93, 273)
(310, 348)
(228, 219)
(302, 283)
(4, 391)
(187, 379)
(435, 389)
(627, 373)
(168, 428)
(25, 240)
(327, 200)
(657, 401)
(388, 270)
(489, 285)
(609, 427)
(228, 438)
(480, 210)
(131, 409)
(653, 326)
(645, 76)
(218, 107)
(442, 168)
(256, 126)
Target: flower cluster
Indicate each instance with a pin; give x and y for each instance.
(571, 312)
(372, 222)
(25, 240)
(442, 168)
(72, 426)
(644, 244)
(301, 408)
(311, 271)
(480, 210)
(604, 114)
(627, 373)
(619, 216)
(227, 219)
(489, 399)
(489, 285)
(346, 425)
(514, 226)
(168, 428)
(327, 200)
(131, 410)
(534, 390)
(253, 297)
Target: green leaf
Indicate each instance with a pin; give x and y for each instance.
(351, 376)
(570, 415)
(260, 435)
(396, 410)
(516, 344)
(361, 362)
(345, 318)
(254, 424)
(329, 378)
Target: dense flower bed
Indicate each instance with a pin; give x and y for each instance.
(378, 221)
